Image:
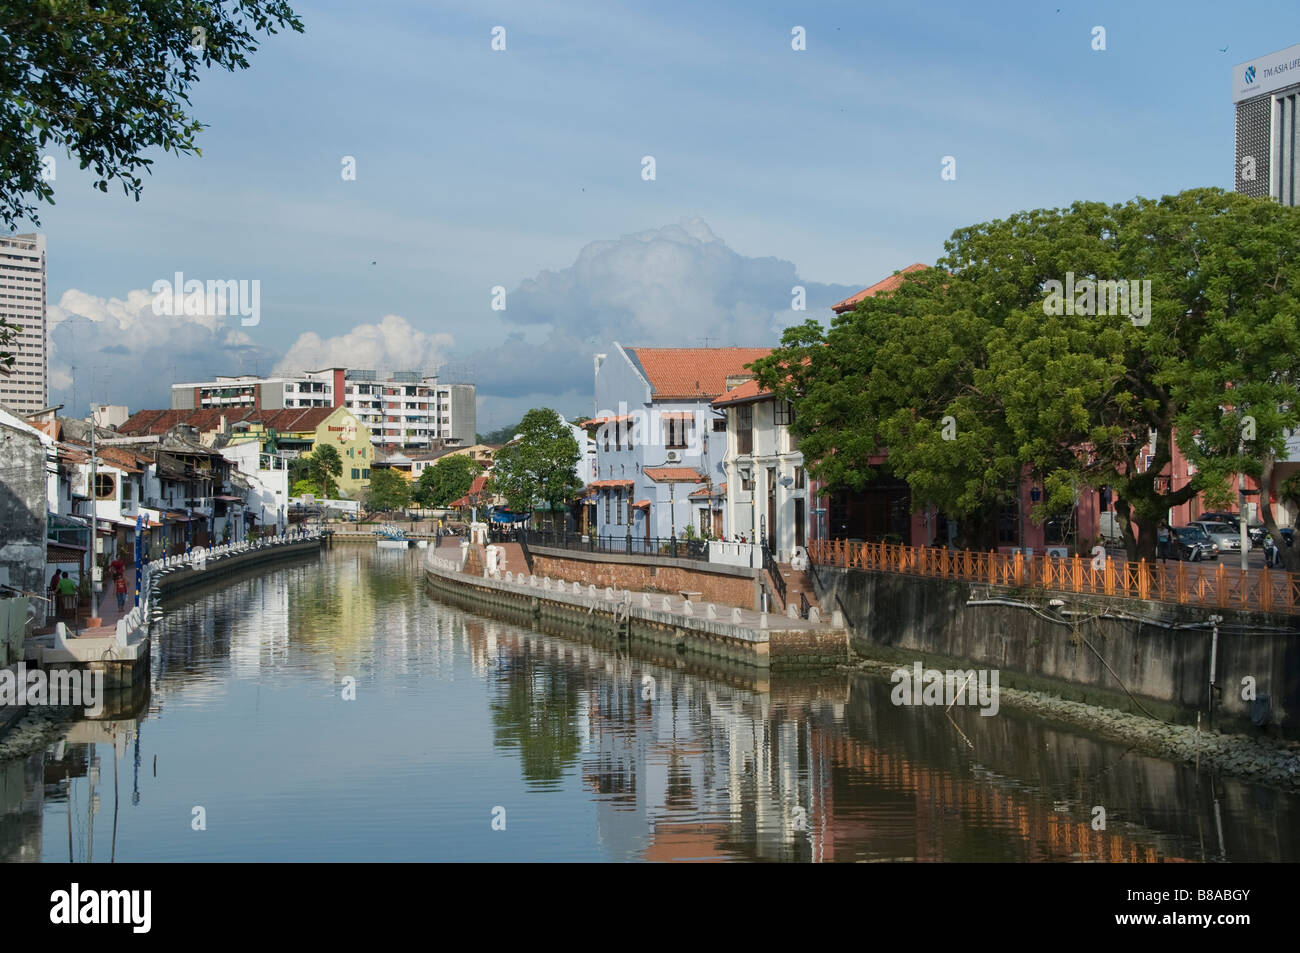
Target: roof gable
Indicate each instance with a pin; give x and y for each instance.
(692, 373)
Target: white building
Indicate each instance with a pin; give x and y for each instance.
(25, 388)
(766, 488)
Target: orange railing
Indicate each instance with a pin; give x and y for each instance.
(1205, 584)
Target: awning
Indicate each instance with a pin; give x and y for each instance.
(229, 499)
(641, 505)
(509, 517)
(63, 553)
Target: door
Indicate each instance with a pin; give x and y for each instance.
(799, 519)
(717, 524)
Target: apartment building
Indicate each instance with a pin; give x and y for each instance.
(401, 408)
(25, 387)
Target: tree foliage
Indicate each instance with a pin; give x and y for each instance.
(1068, 399)
(447, 480)
(538, 467)
(323, 463)
(388, 489)
(106, 81)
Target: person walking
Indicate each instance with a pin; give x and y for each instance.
(119, 583)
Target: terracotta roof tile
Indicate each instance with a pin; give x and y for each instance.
(674, 474)
(687, 373)
(888, 284)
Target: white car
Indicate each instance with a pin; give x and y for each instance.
(1227, 538)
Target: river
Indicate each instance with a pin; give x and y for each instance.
(333, 710)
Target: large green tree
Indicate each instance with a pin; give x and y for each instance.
(976, 372)
(388, 489)
(538, 467)
(323, 463)
(447, 480)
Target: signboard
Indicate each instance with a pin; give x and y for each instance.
(1266, 74)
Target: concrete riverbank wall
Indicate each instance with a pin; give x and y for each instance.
(725, 585)
(1090, 648)
(762, 642)
(186, 574)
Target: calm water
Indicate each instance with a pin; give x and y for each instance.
(459, 719)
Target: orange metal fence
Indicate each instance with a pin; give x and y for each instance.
(1202, 584)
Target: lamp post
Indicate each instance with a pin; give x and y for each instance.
(94, 523)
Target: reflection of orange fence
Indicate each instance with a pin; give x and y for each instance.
(1193, 584)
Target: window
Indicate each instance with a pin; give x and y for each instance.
(800, 481)
(105, 487)
(607, 497)
(747, 480)
(745, 429)
(720, 425)
(618, 508)
(783, 413)
(356, 473)
(365, 474)
(1008, 517)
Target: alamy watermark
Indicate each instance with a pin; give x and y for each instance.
(60, 688)
(918, 686)
(231, 297)
(683, 430)
(1089, 296)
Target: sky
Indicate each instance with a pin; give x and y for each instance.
(524, 170)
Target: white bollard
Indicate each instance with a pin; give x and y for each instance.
(609, 594)
(577, 588)
(735, 617)
(762, 620)
(814, 615)
(792, 611)
(687, 608)
(837, 618)
(668, 604)
(645, 600)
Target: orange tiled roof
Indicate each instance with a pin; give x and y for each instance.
(888, 284)
(674, 474)
(641, 505)
(607, 484)
(750, 390)
(207, 419)
(686, 373)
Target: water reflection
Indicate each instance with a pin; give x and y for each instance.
(595, 752)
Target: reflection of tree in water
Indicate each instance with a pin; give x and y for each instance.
(535, 709)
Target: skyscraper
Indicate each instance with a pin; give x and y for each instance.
(1266, 91)
(25, 387)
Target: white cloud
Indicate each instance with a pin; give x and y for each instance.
(392, 344)
(116, 350)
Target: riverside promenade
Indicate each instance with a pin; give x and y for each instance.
(118, 643)
(469, 574)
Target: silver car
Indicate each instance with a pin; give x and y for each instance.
(1227, 538)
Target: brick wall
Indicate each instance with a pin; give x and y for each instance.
(720, 588)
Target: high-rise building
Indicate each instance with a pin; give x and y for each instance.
(1266, 92)
(401, 408)
(25, 387)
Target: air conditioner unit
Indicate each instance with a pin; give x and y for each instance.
(674, 456)
(1060, 552)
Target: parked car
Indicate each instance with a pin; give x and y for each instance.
(1254, 530)
(1190, 543)
(1224, 535)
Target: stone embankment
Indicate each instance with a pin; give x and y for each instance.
(1265, 759)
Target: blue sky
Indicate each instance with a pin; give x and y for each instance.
(478, 168)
